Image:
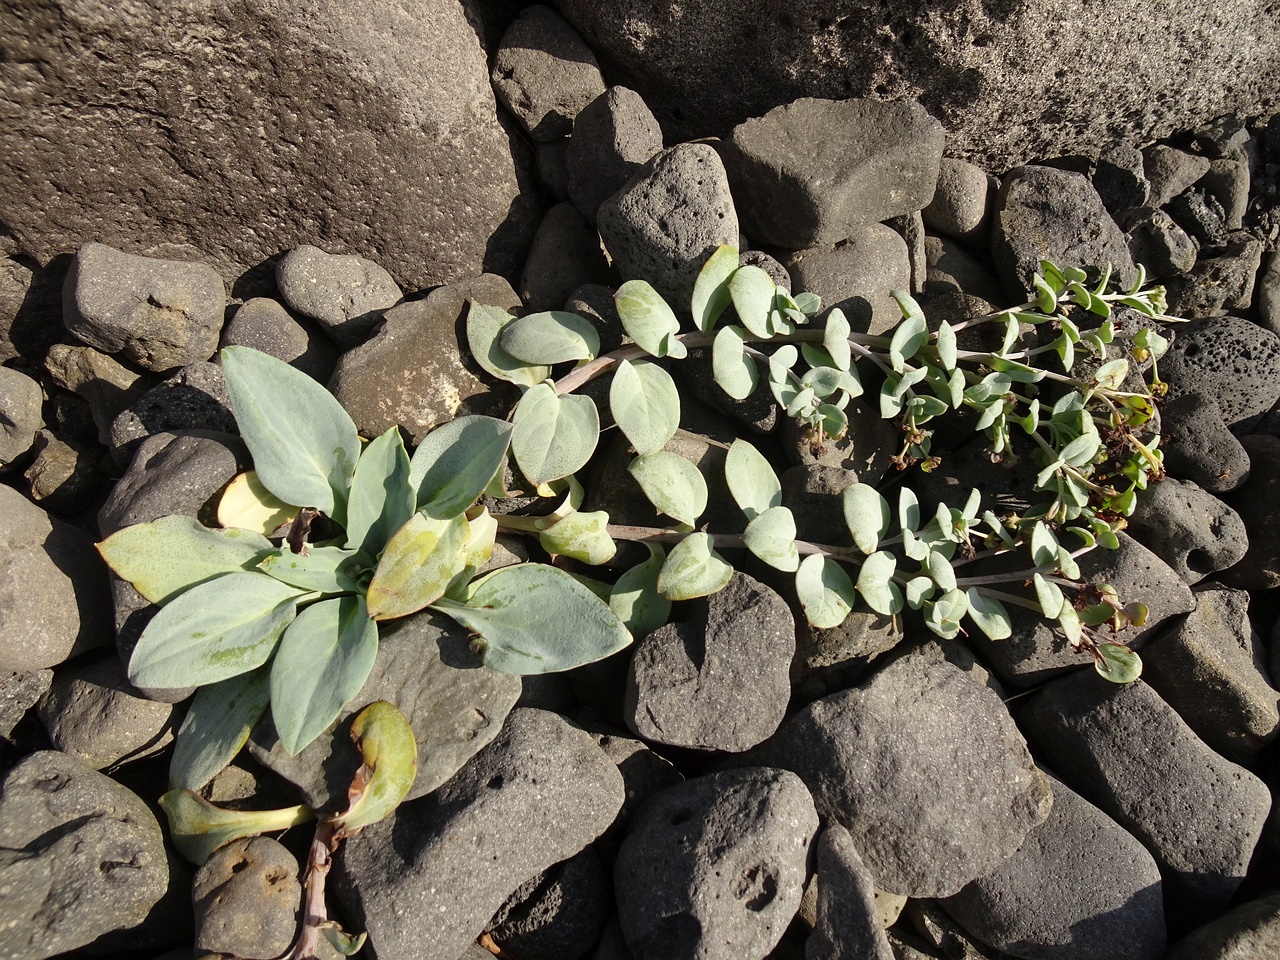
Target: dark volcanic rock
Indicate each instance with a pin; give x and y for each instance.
(719, 680)
(924, 767)
(425, 881)
(1233, 360)
(613, 137)
(1010, 81)
(961, 204)
(393, 149)
(714, 868)
(1257, 501)
(1169, 171)
(816, 171)
(194, 398)
(847, 924)
(565, 255)
(557, 915)
(1127, 751)
(346, 295)
(1198, 446)
(1249, 932)
(1191, 530)
(857, 276)
(263, 324)
(247, 898)
(1079, 888)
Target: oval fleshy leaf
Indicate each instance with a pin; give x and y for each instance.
(875, 583)
(635, 600)
(771, 536)
(323, 660)
(989, 614)
(735, 371)
(672, 484)
(554, 336)
(581, 536)
(417, 566)
(167, 556)
(693, 569)
(484, 327)
(711, 289)
(382, 499)
(532, 618)
(648, 320)
(866, 513)
(304, 445)
(752, 290)
(754, 485)
(645, 403)
(456, 462)
(389, 753)
(1117, 663)
(199, 637)
(554, 436)
(825, 591)
(835, 339)
(248, 505)
(216, 726)
(322, 569)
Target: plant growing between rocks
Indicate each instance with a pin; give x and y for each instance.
(331, 535)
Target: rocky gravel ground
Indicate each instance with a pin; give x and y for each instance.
(736, 785)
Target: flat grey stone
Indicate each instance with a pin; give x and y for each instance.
(1043, 213)
(1249, 932)
(961, 204)
(413, 373)
(1119, 178)
(1128, 752)
(54, 588)
(194, 398)
(1192, 530)
(565, 255)
(1169, 171)
(1197, 445)
(952, 269)
(425, 881)
(94, 714)
(718, 680)
(20, 419)
(1037, 650)
(847, 927)
(159, 314)
(1079, 888)
(558, 914)
(18, 694)
(613, 137)
(264, 324)
(1257, 501)
(1235, 361)
(1211, 668)
(664, 223)
(714, 868)
(813, 172)
(80, 857)
(1217, 284)
(544, 74)
(924, 767)
(346, 294)
(1158, 243)
(425, 666)
(247, 900)
(857, 276)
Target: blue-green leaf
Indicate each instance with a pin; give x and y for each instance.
(456, 462)
(304, 445)
(635, 599)
(216, 726)
(320, 569)
(582, 536)
(484, 330)
(554, 336)
(711, 289)
(648, 320)
(324, 659)
(672, 484)
(835, 338)
(382, 498)
(771, 536)
(752, 482)
(645, 403)
(752, 290)
(736, 372)
(554, 436)
(989, 614)
(866, 513)
(219, 629)
(825, 591)
(422, 558)
(875, 583)
(1117, 663)
(693, 569)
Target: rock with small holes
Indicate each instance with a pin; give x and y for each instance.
(1079, 888)
(856, 275)
(813, 172)
(1192, 530)
(425, 881)
(194, 398)
(714, 868)
(847, 924)
(613, 137)
(544, 74)
(1198, 446)
(961, 204)
(247, 898)
(1232, 359)
(158, 314)
(719, 679)
(1218, 283)
(644, 773)
(1128, 752)
(557, 915)
(1169, 171)
(1257, 501)
(925, 768)
(565, 255)
(1268, 294)
(1249, 932)
(1043, 213)
(346, 294)
(1211, 668)
(80, 856)
(264, 324)
(425, 666)
(669, 218)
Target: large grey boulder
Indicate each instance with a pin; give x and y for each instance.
(714, 868)
(1192, 530)
(1234, 360)
(398, 156)
(1249, 932)
(857, 276)
(80, 857)
(1010, 81)
(925, 768)
(425, 881)
(816, 171)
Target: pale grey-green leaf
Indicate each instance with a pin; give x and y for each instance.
(550, 337)
(752, 290)
(752, 482)
(635, 599)
(771, 536)
(382, 498)
(693, 569)
(989, 614)
(645, 404)
(484, 328)
(711, 289)
(866, 513)
(554, 436)
(735, 371)
(875, 583)
(456, 462)
(672, 484)
(825, 591)
(216, 726)
(649, 320)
